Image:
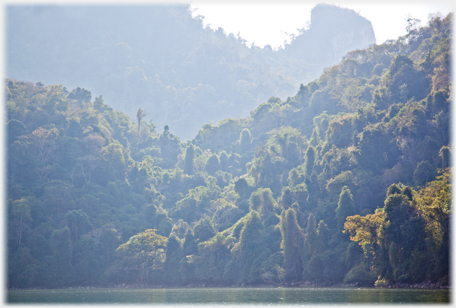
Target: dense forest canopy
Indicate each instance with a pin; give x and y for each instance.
(160, 59)
(347, 182)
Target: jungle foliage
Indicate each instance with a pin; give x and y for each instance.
(346, 182)
(159, 58)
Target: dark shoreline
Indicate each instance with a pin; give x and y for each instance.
(423, 285)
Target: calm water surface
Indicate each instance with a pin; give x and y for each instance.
(230, 296)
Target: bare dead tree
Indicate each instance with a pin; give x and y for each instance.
(139, 115)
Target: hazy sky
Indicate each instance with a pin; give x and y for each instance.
(272, 22)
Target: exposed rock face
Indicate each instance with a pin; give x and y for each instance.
(160, 59)
(333, 32)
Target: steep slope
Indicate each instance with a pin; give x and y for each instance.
(160, 59)
(346, 182)
(343, 29)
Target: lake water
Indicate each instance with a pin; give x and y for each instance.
(231, 296)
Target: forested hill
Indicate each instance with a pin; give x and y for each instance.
(347, 182)
(160, 59)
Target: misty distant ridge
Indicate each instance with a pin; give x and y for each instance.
(160, 59)
(345, 183)
(344, 30)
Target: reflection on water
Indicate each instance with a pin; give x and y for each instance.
(231, 296)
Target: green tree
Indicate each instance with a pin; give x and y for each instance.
(315, 138)
(88, 262)
(20, 219)
(311, 236)
(23, 269)
(173, 257)
(445, 155)
(309, 160)
(250, 246)
(404, 240)
(224, 161)
(15, 129)
(287, 197)
(367, 231)
(262, 202)
(189, 157)
(424, 172)
(61, 272)
(241, 188)
(292, 245)
(203, 230)
(244, 142)
(213, 257)
(373, 148)
(434, 204)
(323, 236)
(81, 95)
(118, 160)
(44, 144)
(345, 207)
(144, 252)
(189, 248)
(78, 222)
(169, 148)
(212, 164)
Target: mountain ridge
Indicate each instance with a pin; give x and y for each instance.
(345, 183)
(175, 68)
